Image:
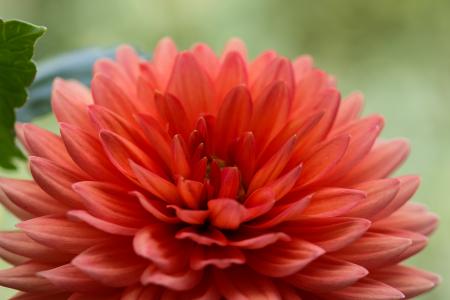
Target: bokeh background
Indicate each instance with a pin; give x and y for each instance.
(396, 52)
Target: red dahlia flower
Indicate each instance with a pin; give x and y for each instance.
(193, 176)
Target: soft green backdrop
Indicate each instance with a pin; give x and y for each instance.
(396, 52)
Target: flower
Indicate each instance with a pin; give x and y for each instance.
(193, 176)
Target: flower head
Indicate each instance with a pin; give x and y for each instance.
(193, 176)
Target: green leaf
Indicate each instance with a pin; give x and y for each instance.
(17, 71)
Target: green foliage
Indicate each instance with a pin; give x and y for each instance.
(17, 71)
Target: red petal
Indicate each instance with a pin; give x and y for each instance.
(273, 167)
(120, 151)
(108, 93)
(233, 119)
(270, 113)
(24, 278)
(100, 224)
(19, 243)
(232, 73)
(408, 187)
(112, 264)
(179, 281)
(240, 283)
(69, 278)
(206, 57)
(330, 234)
(27, 195)
(373, 250)
(69, 102)
(410, 281)
(217, 256)
(56, 180)
(45, 144)
(235, 45)
(164, 59)
(323, 159)
(350, 108)
(180, 161)
(226, 213)
(379, 194)
(210, 236)
(158, 186)
(327, 274)
(411, 217)
(157, 208)
(367, 289)
(190, 83)
(259, 241)
(333, 202)
(61, 234)
(128, 60)
(156, 243)
(283, 258)
(192, 192)
(245, 156)
(87, 152)
(195, 217)
(111, 203)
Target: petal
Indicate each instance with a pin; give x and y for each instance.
(259, 241)
(323, 159)
(111, 203)
(232, 73)
(192, 192)
(240, 283)
(179, 281)
(235, 45)
(69, 102)
(195, 217)
(45, 144)
(180, 161)
(333, 202)
(410, 281)
(109, 93)
(281, 213)
(350, 109)
(100, 224)
(206, 57)
(411, 217)
(381, 161)
(112, 264)
(156, 243)
(270, 113)
(273, 167)
(226, 213)
(285, 183)
(327, 274)
(208, 237)
(233, 119)
(331, 234)
(128, 60)
(157, 208)
(373, 250)
(190, 83)
(21, 244)
(164, 59)
(69, 278)
(217, 256)
(245, 157)
(87, 152)
(283, 258)
(56, 180)
(23, 278)
(379, 194)
(120, 151)
(158, 186)
(27, 195)
(408, 187)
(61, 234)
(367, 289)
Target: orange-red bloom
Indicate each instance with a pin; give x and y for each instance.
(193, 176)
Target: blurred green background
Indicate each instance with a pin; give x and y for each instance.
(396, 52)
